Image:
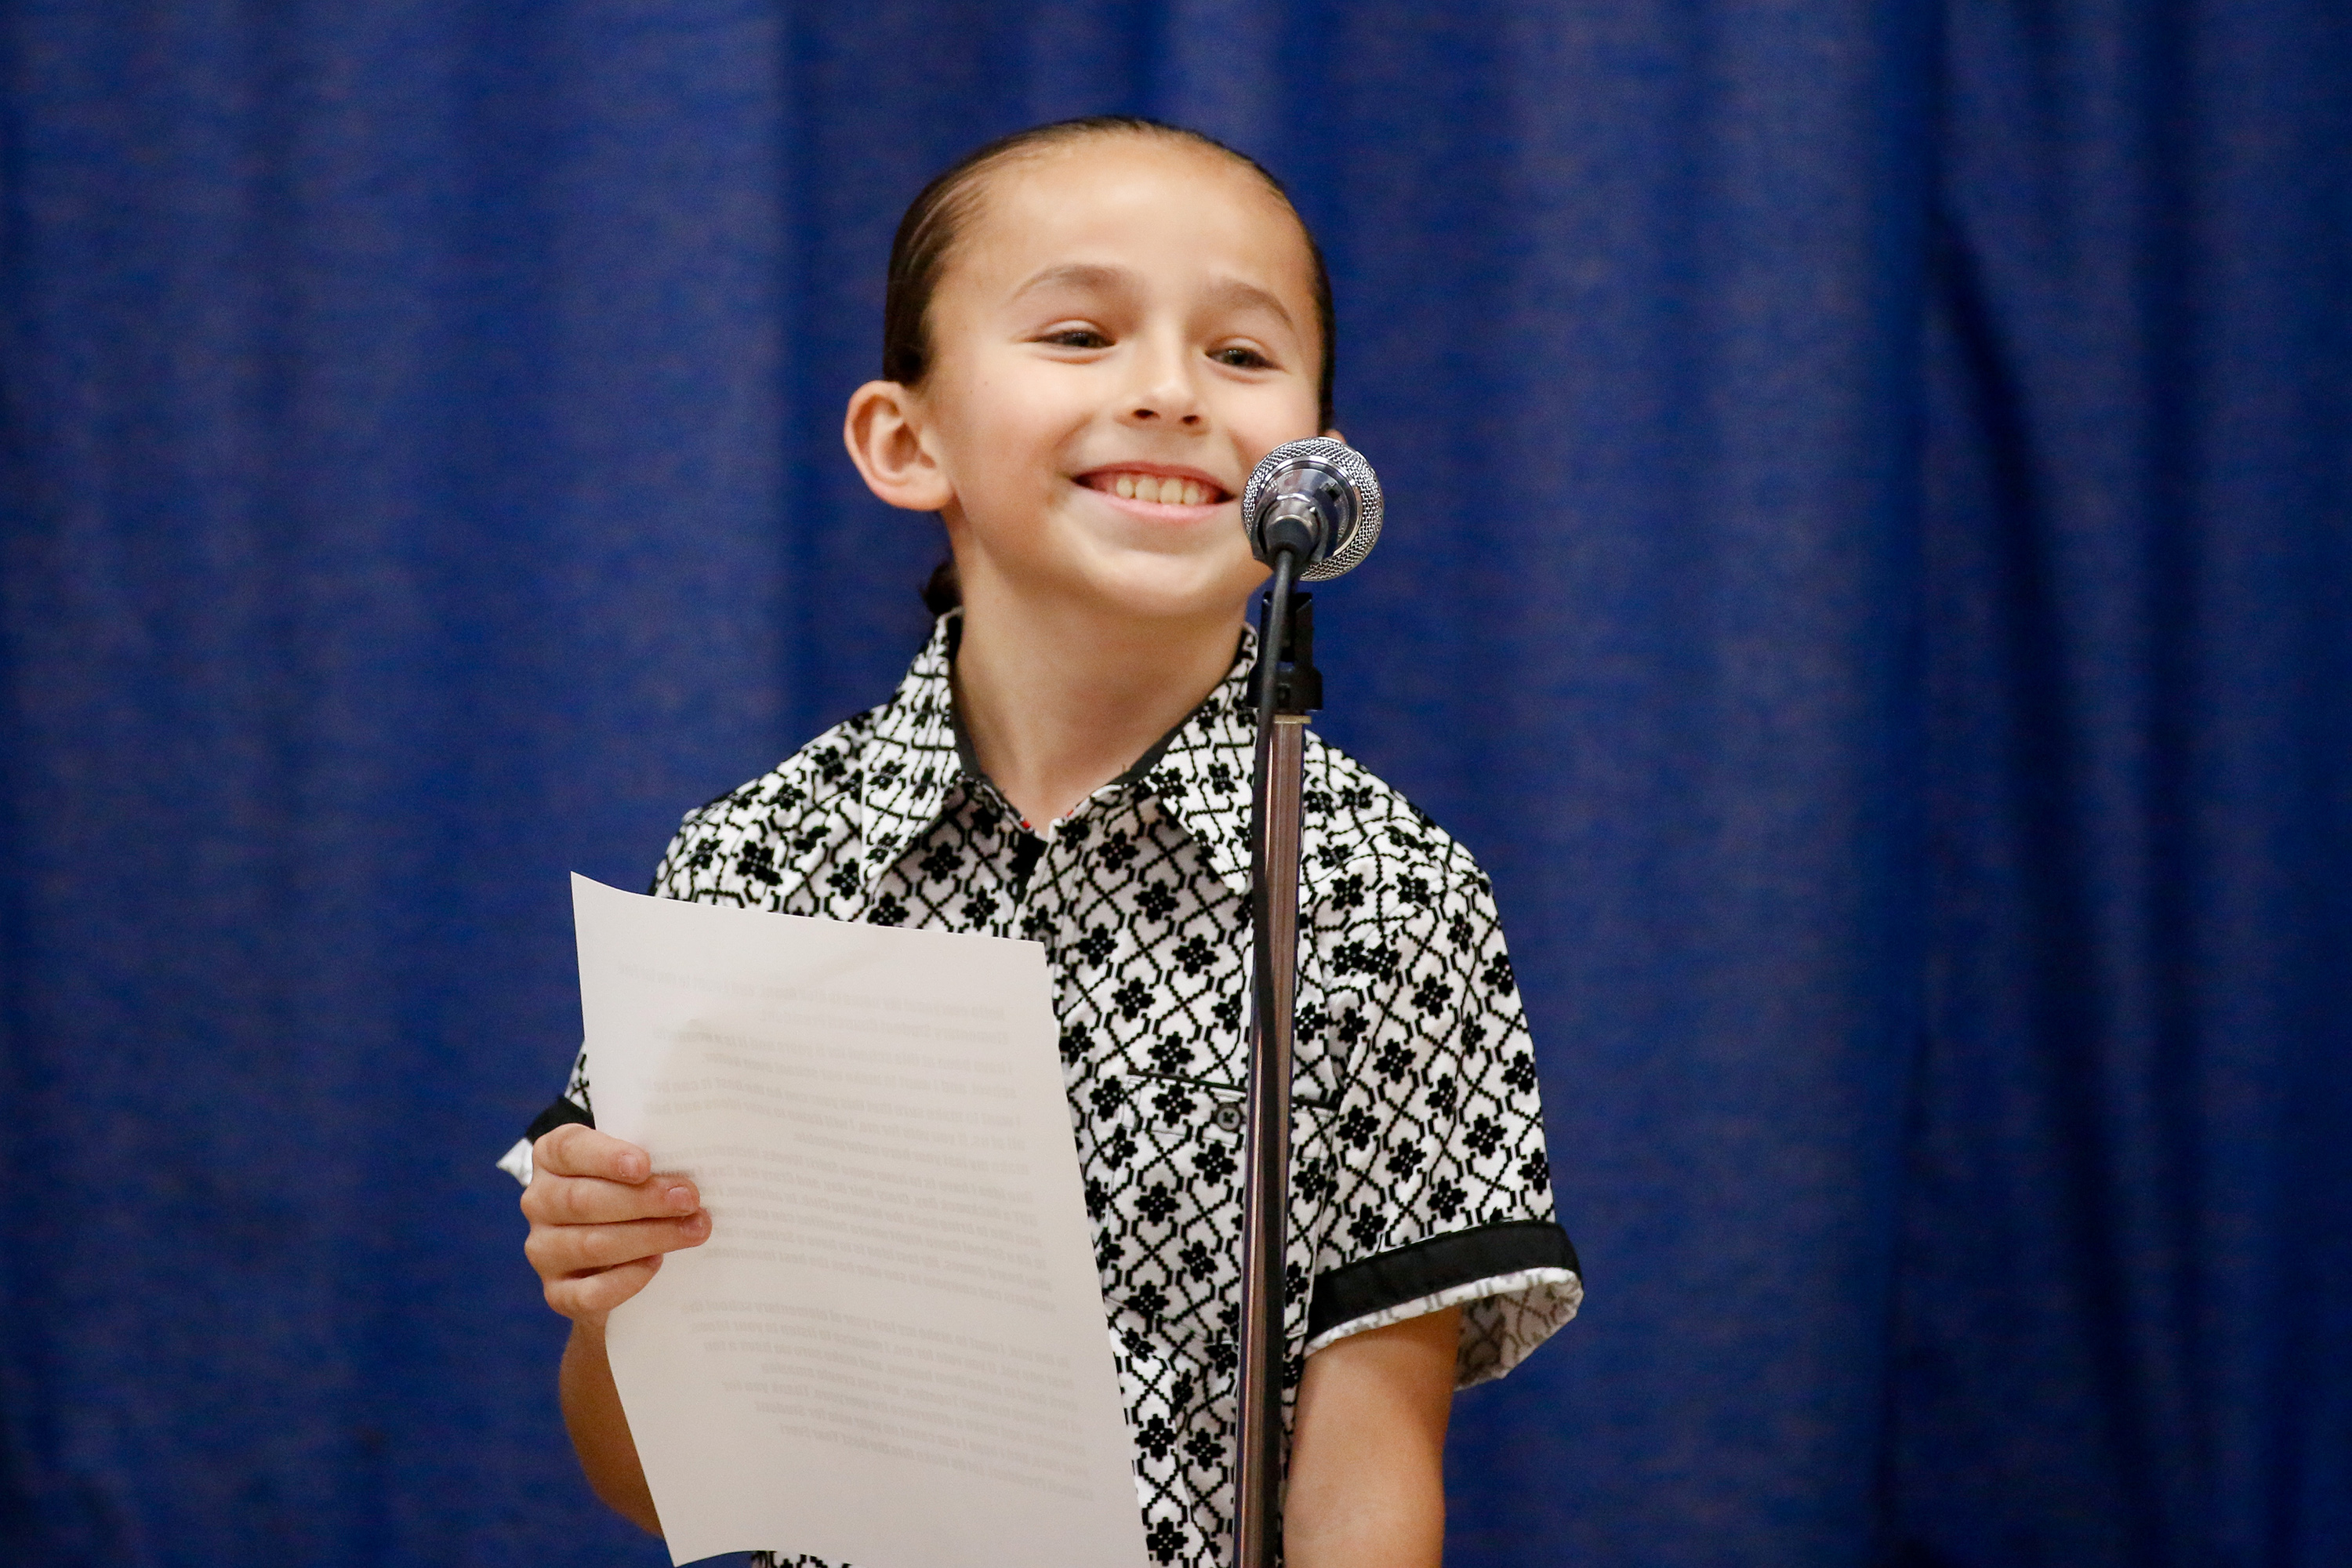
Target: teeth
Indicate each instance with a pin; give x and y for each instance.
(1170, 491)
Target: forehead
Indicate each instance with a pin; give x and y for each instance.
(1180, 208)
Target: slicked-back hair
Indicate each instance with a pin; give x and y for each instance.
(919, 254)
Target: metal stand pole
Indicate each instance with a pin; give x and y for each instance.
(1289, 686)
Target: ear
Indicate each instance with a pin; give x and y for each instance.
(884, 433)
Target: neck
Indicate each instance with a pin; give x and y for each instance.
(1059, 700)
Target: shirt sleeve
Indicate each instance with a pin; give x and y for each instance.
(571, 1105)
(1428, 1162)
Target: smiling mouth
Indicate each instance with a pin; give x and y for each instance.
(1162, 490)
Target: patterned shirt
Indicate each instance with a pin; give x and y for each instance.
(1419, 1176)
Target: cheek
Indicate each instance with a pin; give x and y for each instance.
(1012, 428)
(1273, 415)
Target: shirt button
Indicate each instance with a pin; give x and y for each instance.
(1228, 1118)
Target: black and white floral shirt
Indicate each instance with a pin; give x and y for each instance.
(1419, 1175)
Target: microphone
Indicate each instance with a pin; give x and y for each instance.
(1317, 500)
(1312, 510)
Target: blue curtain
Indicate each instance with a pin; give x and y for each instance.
(1870, 571)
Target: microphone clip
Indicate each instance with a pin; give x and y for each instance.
(1298, 684)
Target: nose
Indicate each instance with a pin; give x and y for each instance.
(1166, 392)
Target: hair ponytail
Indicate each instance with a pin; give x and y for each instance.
(943, 590)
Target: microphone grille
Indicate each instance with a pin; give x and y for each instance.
(1360, 529)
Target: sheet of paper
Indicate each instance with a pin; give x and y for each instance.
(892, 1351)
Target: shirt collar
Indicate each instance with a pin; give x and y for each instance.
(1199, 772)
(909, 760)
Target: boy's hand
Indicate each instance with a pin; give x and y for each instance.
(601, 1219)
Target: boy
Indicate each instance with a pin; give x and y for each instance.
(1094, 331)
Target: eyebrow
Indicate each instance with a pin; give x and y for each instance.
(1234, 291)
(1077, 275)
(1228, 291)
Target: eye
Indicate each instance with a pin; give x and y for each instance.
(1241, 356)
(1077, 338)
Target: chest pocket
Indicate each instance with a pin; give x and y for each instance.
(1162, 1158)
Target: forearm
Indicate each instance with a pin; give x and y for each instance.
(1399, 1524)
(600, 1429)
(1368, 1460)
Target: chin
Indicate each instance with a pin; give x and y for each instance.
(1160, 589)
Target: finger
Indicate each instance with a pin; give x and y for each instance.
(592, 1295)
(576, 1150)
(577, 1248)
(557, 1249)
(592, 1200)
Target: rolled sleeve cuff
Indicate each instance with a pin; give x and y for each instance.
(516, 1161)
(1518, 1282)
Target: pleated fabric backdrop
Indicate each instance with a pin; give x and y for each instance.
(1870, 571)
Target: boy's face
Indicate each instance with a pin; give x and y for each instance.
(1123, 328)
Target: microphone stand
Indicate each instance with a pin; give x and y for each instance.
(1289, 686)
